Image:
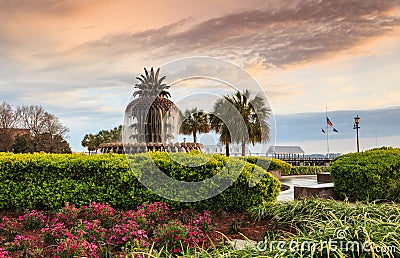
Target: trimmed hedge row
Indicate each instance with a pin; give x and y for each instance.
(47, 181)
(370, 175)
(308, 170)
(270, 164)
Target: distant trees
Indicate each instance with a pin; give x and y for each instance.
(30, 128)
(8, 119)
(93, 141)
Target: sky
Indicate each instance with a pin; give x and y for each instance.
(79, 59)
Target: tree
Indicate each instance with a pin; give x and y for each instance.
(45, 129)
(91, 142)
(50, 143)
(218, 122)
(151, 86)
(194, 121)
(254, 113)
(23, 144)
(8, 120)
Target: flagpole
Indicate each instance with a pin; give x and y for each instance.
(327, 130)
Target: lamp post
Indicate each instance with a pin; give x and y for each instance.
(356, 127)
(184, 140)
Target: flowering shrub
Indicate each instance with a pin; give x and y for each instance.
(97, 230)
(174, 235)
(128, 232)
(54, 232)
(203, 221)
(90, 230)
(8, 228)
(72, 247)
(153, 212)
(33, 220)
(3, 253)
(67, 215)
(102, 212)
(19, 243)
(138, 217)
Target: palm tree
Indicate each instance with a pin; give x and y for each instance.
(152, 112)
(92, 142)
(217, 118)
(254, 113)
(194, 121)
(151, 86)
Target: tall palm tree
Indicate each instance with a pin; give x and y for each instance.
(151, 86)
(151, 113)
(220, 127)
(254, 113)
(194, 121)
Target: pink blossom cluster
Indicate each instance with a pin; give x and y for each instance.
(102, 212)
(91, 231)
(4, 253)
(203, 221)
(153, 212)
(76, 247)
(8, 227)
(20, 242)
(175, 235)
(33, 219)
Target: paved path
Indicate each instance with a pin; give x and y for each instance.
(297, 180)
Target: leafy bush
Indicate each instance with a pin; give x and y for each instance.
(308, 170)
(270, 164)
(47, 181)
(370, 175)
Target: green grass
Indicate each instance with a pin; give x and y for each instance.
(376, 225)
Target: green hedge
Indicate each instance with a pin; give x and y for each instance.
(47, 181)
(270, 164)
(371, 175)
(308, 170)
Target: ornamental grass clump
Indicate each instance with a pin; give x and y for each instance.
(353, 230)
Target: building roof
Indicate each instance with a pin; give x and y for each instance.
(285, 150)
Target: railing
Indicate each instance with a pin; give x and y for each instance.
(308, 161)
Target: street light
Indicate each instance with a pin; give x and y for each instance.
(356, 126)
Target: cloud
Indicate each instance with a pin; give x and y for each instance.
(43, 7)
(286, 35)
